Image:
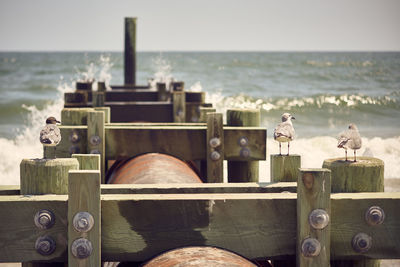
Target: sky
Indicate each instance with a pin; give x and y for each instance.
(206, 25)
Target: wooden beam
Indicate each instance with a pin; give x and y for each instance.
(96, 138)
(253, 225)
(179, 106)
(313, 217)
(285, 168)
(88, 161)
(215, 148)
(84, 218)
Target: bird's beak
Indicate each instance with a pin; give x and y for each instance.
(293, 118)
(58, 121)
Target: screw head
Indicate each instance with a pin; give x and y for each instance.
(318, 219)
(83, 222)
(215, 142)
(361, 242)
(81, 248)
(215, 156)
(45, 245)
(95, 140)
(245, 152)
(375, 215)
(44, 219)
(310, 247)
(243, 141)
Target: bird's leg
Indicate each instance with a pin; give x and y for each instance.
(345, 151)
(288, 145)
(355, 158)
(280, 154)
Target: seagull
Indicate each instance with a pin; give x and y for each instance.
(350, 139)
(284, 131)
(50, 135)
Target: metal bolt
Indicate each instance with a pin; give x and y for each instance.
(245, 152)
(215, 142)
(243, 141)
(95, 151)
(81, 248)
(83, 221)
(45, 245)
(374, 215)
(215, 155)
(361, 242)
(74, 137)
(318, 219)
(95, 140)
(44, 219)
(310, 247)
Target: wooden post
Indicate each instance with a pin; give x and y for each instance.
(107, 113)
(130, 51)
(98, 99)
(285, 168)
(96, 138)
(178, 86)
(203, 113)
(46, 176)
(179, 106)
(74, 116)
(49, 152)
(215, 148)
(88, 161)
(243, 171)
(84, 221)
(365, 175)
(313, 217)
(101, 86)
(163, 94)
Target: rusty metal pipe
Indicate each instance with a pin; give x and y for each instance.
(153, 168)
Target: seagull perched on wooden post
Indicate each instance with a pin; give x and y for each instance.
(350, 139)
(284, 131)
(50, 135)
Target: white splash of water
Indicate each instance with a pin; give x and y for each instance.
(105, 70)
(162, 72)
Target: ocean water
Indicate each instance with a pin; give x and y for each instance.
(324, 91)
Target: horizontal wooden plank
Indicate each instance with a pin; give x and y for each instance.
(138, 226)
(218, 188)
(130, 87)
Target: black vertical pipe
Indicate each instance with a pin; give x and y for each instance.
(130, 51)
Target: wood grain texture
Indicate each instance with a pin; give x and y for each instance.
(75, 116)
(88, 161)
(313, 192)
(96, 130)
(285, 168)
(73, 141)
(138, 226)
(215, 168)
(239, 171)
(204, 111)
(179, 106)
(84, 196)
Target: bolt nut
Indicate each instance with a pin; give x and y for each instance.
(95, 140)
(243, 141)
(215, 156)
(361, 242)
(83, 221)
(45, 245)
(245, 152)
(44, 219)
(375, 215)
(215, 142)
(81, 248)
(310, 247)
(74, 137)
(318, 219)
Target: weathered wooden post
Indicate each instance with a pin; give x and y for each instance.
(84, 222)
(365, 175)
(163, 94)
(75, 116)
(203, 113)
(130, 51)
(284, 168)
(96, 138)
(88, 161)
(98, 99)
(243, 171)
(179, 106)
(313, 217)
(107, 113)
(215, 148)
(46, 176)
(101, 86)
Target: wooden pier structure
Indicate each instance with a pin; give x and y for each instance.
(65, 212)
